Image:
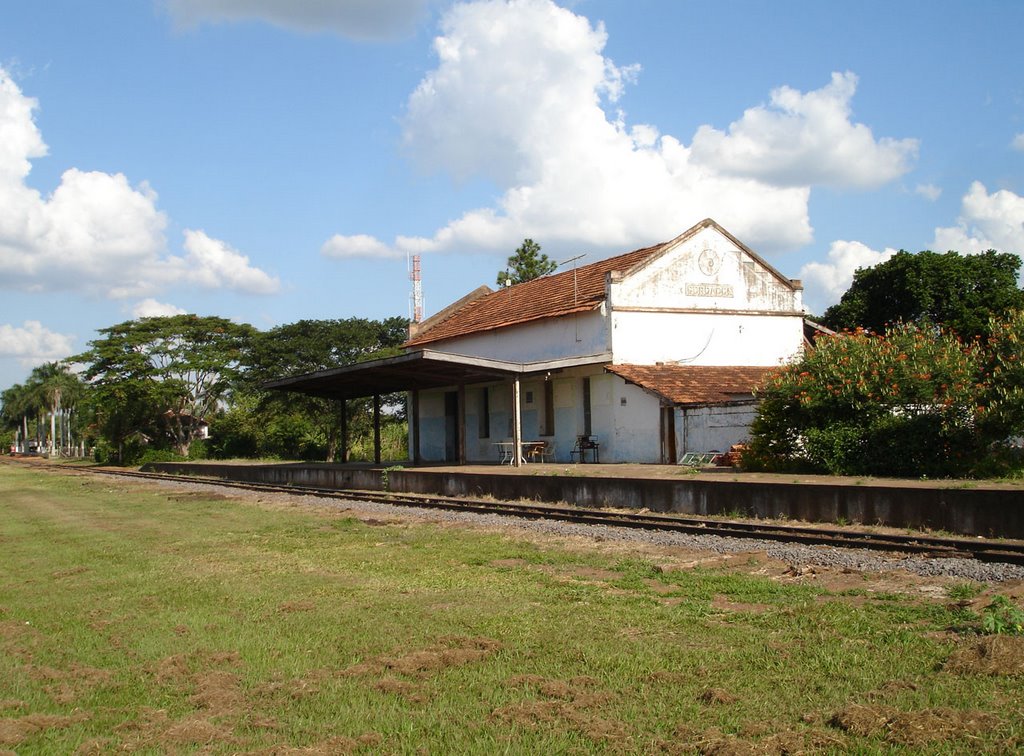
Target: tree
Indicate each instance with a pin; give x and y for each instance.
(20, 403)
(305, 347)
(957, 292)
(48, 396)
(1002, 404)
(163, 375)
(526, 264)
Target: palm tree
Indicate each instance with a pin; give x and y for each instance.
(20, 402)
(51, 390)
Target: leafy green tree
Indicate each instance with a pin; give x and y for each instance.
(903, 403)
(306, 425)
(163, 376)
(958, 292)
(526, 264)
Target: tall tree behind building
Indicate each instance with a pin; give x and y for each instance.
(526, 264)
(958, 292)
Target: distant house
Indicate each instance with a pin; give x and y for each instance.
(648, 355)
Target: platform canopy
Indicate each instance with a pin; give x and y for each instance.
(422, 369)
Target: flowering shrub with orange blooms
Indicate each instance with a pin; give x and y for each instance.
(1002, 410)
(906, 403)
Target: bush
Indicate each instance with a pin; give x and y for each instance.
(858, 404)
(158, 455)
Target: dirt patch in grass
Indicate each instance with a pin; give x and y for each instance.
(66, 686)
(717, 697)
(722, 604)
(403, 688)
(450, 651)
(913, 728)
(689, 739)
(155, 729)
(592, 573)
(659, 587)
(991, 655)
(16, 730)
(216, 694)
(218, 691)
(570, 703)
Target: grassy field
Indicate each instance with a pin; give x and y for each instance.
(148, 619)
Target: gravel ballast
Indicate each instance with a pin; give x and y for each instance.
(863, 560)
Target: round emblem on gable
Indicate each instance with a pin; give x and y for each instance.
(709, 262)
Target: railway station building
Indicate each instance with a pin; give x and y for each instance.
(642, 357)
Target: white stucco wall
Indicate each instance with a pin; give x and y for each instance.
(705, 302)
(636, 435)
(576, 335)
(645, 338)
(431, 424)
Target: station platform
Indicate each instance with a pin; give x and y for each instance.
(958, 507)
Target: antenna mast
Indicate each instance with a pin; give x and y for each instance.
(416, 298)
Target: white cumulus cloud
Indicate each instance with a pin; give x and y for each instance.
(523, 95)
(32, 344)
(359, 19)
(801, 139)
(150, 308)
(987, 221)
(826, 282)
(95, 233)
(1018, 142)
(359, 245)
(928, 191)
(213, 264)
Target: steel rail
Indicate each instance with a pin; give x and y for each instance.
(981, 549)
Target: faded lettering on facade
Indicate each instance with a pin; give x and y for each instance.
(708, 290)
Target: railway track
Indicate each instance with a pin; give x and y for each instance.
(981, 549)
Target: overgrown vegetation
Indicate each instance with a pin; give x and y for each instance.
(172, 621)
(915, 401)
(1002, 616)
(152, 389)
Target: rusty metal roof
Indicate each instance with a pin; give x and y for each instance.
(564, 293)
(694, 385)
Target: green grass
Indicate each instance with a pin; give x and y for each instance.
(143, 619)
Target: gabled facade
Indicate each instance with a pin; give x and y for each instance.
(653, 354)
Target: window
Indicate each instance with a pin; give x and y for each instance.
(484, 415)
(587, 429)
(549, 409)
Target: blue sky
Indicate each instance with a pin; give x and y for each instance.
(270, 161)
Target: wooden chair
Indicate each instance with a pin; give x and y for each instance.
(538, 450)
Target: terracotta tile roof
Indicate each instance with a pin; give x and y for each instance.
(692, 384)
(550, 296)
